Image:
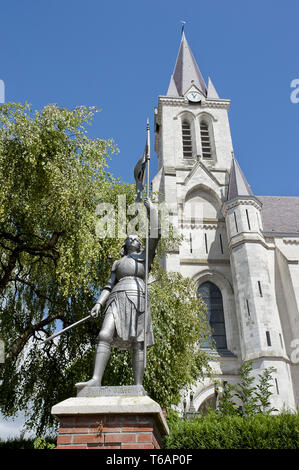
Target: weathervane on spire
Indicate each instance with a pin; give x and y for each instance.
(183, 25)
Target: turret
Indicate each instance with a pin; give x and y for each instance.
(257, 312)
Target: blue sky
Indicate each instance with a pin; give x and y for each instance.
(119, 55)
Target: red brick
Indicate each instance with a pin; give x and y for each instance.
(95, 446)
(122, 419)
(64, 439)
(120, 437)
(105, 428)
(108, 432)
(110, 446)
(73, 430)
(87, 420)
(137, 446)
(87, 438)
(156, 444)
(145, 437)
(68, 421)
(137, 428)
(71, 447)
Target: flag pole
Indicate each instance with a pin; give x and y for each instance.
(148, 156)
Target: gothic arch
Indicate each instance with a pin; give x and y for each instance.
(209, 116)
(205, 394)
(217, 278)
(204, 189)
(207, 137)
(185, 113)
(210, 201)
(188, 134)
(227, 292)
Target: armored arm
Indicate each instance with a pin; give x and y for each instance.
(155, 229)
(105, 293)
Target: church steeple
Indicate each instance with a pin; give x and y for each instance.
(227, 247)
(186, 72)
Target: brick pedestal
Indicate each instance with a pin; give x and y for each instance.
(117, 422)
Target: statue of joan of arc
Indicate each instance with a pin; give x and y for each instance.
(123, 301)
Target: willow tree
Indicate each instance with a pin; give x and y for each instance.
(52, 265)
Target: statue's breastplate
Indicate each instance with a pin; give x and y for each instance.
(129, 266)
(130, 275)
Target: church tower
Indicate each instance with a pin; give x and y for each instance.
(224, 250)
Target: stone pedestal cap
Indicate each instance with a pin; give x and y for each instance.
(111, 405)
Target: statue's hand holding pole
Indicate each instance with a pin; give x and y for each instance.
(100, 303)
(93, 314)
(95, 311)
(149, 205)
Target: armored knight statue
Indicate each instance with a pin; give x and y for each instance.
(123, 298)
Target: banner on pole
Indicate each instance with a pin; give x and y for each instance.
(139, 174)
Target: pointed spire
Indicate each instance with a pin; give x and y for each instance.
(212, 93)
(238, 185)
(186, 72)
(172, 89)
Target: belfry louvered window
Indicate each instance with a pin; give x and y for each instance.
(187, 139)
(205, 140)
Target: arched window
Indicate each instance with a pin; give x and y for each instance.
(205, 140)
(209, 403)
(212, 296)
(187, 139)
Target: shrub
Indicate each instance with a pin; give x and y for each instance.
(41, 443)
(235, 432)
(28, 443)
(255, 399)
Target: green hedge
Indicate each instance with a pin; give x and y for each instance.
(235, 432)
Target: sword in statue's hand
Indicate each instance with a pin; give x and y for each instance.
(93, 314)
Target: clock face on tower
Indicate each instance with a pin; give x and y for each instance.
(194, 96)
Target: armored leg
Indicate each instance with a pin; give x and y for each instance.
(138, 363)
(102, 353)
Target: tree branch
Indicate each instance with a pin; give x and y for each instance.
(40, 250)
(20, 342)
(9, 268)
(32, 286)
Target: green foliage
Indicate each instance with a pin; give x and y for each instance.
(28, 443)
(246, 390)
(245, 398)
(227, 405)
(52, 265)
(235, 432)
(41, 443)
(263, 391)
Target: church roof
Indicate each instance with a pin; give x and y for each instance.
(238, 185)
(280, 214)
(186, 72)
